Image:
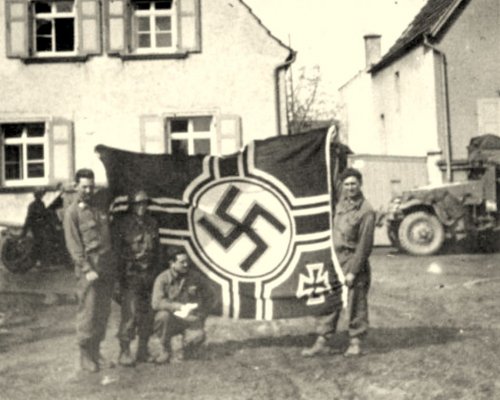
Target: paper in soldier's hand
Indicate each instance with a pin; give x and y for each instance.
(185, 310)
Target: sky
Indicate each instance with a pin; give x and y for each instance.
(329, 33)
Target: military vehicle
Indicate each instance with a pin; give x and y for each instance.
(419, 221)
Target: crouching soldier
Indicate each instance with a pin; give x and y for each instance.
(137, 242)
(181, 301)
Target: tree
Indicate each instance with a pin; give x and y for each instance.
(309, 104)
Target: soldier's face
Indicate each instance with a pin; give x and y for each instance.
(85, 188)
(140, 208)
(351, 187)
(180, 264)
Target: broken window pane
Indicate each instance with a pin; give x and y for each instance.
(65, 34)
(64, 6)
(42, 7)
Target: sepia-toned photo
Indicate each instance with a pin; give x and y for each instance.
(249, 199)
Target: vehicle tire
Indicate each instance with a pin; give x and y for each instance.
(421, 234)
(16, 255)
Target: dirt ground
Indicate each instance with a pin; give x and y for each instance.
(435, 335)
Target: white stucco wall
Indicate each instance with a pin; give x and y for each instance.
(387, 115)
(105, 96)
(405, 106)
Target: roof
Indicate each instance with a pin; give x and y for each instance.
(271, 35)
(433, 16)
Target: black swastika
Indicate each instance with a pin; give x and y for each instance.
(241, 228)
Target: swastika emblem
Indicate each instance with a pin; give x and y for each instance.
(242, 228)
(314, 285)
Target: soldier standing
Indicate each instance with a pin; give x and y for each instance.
(86, 230)
(37, 220)
(137, 243)
(353, 230)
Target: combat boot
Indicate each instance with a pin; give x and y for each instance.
(319, 347)
(354, 349)
(87, 362)
(125, 358)
(163, 357)
(142, 354)
(98, 358)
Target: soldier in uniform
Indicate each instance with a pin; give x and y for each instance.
(181, 301)
(353, 230)
(137, 243)
(37, 220)
(86, 230)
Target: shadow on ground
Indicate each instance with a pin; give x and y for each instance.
(380, 340)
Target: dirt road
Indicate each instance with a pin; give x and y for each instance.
(435, 335)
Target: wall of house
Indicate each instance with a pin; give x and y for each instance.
(473, 59)
(357, 122)
(105, 96)
(404, 96)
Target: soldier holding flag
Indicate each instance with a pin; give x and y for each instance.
(353, 229)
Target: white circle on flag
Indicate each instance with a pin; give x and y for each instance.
(242, 228)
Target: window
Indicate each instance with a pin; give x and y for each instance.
(24, 153)
(54, 26)
(193, 135)
(169, 28)
(154, 25)
(48, 29)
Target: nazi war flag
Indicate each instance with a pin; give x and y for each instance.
(257, 223)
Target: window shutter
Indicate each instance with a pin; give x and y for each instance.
(189, 27)
(152, 134)
(229, 134)
(16, 14)
(488, 113)
(118, 17)
(90, 26)
(62, 160)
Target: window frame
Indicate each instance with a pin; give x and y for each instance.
(24, 141)
(53, 15)
(191, 135)
(153, 13)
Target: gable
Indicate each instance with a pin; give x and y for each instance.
(433, 16)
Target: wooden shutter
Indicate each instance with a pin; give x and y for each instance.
(118, 26)
(228, 134)
(17, 19)
(189, 25)
(488, 115)
(152, 134)
(89, 23)
(62, 153)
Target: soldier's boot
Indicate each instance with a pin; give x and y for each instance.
(354, 349)
(101, 361)
(125, 357)
(163, 356)
(142, 354)
(319, 347)
(87, 362)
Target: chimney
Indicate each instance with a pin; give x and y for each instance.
(372, 49)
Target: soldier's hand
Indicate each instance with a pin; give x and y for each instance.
(91, 276)
(349, 279)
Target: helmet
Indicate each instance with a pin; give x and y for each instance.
(139, 196)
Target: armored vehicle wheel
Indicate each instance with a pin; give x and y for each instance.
(16, 254)
(421, 233)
